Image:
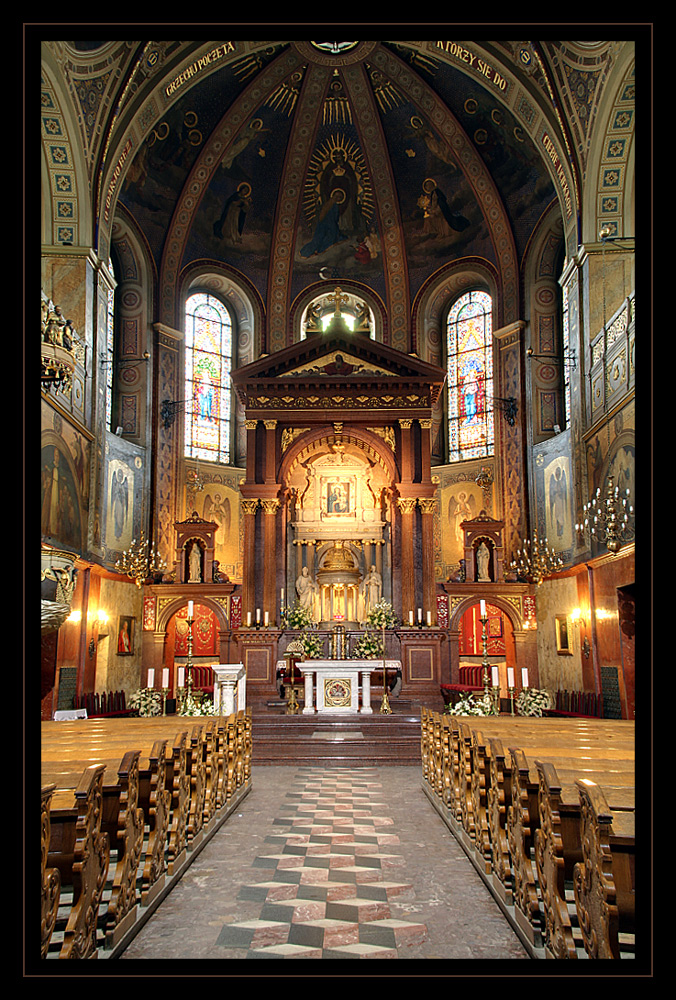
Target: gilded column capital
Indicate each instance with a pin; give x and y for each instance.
(405, 423)
(428, 505)
(406, 505)
(251, 424)
(270, 506)
(270, 424)
(426, 424)
(249, 506)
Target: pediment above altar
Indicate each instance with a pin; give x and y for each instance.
(336, 368)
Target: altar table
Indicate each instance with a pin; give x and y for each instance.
(337, 685)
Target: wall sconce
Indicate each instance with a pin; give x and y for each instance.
(577, 618)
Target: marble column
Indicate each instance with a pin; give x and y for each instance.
(427, 507)
(270, 508)
(248, 509)
(407, 510)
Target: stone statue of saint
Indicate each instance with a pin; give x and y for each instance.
(372, 589)
(195, 564)
(305, 588)
(482, 558)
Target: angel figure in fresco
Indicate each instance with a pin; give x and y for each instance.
(558, 500)
(460, 508)
(119, 501)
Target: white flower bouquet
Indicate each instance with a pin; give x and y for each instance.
(146, 701)
(532, 701)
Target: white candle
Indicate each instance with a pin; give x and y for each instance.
(524, 677)
(248, 618)
(190, 607)
(258, 614)
(429, 617)
(510, 677)
(151, 678)
(410, 617)
(181, 677)
(483, 609)
(495, 677)
(419, 614)
(267, 618)
(165, 678)
(281, 600)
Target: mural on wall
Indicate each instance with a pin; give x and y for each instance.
(558, 515)
(458, 500)
(64, 487)
(119, 505)
(219, 502)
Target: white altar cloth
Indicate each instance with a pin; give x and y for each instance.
(337, 685)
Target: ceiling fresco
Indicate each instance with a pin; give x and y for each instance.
(363, 140)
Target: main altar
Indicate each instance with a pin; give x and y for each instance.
(341, 686)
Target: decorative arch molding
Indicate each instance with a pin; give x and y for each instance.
(165, 612)
(237, 292)
(308, 443)
(609, 189)
(543, 263)
(65, 216)
(436, 295)
(496, 600)
(371, 298)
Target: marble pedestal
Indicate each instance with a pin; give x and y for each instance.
(229, 688)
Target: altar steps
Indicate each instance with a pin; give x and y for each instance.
(338, 741)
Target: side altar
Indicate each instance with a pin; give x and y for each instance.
(337, 685)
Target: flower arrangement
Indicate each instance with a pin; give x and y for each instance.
(313, 645)
(298, 617)
(469, 704)
(200, 704)
(146, 701)
(382, 615)
(533, 701)
(369, 646)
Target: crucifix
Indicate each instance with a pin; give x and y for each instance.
(337, 298)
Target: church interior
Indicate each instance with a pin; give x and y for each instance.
(338, 367)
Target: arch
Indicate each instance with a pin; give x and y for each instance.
(495, 599)
(369, 442)
(235, 289)
(166, 611)
(313, 291)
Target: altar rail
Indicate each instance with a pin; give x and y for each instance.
(121, 824)
(545, 809)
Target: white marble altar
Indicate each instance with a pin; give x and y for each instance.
(229, 688)
(337, 685)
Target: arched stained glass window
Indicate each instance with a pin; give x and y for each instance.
(469, 354)
(208, 364)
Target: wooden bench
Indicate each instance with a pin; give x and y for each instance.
(495, 782)
(107, 704)
(159, 786)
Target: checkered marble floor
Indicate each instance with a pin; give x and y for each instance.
(330, 874)
(331, 863)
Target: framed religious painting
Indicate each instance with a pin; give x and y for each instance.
(564, 637)
(125, 635)
(338, 495)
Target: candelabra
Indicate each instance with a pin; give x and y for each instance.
(385, 703)
(140, 561)
(536, 561)
(608, 517)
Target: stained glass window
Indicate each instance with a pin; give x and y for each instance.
(208, 363)
(469, 353)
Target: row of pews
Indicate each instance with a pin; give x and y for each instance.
(126, 804)
(545, 809)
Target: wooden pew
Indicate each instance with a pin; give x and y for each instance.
(50, 877)
(604, 879)
(166, 775)
(494, 799)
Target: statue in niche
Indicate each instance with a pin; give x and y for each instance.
(306, 588)
(372, 589)
(482, 559)
(195, 564)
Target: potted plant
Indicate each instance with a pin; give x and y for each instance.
(146, 701)
(469, 704)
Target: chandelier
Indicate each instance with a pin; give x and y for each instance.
(608, 517)
(536, 561)
(140, 561)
